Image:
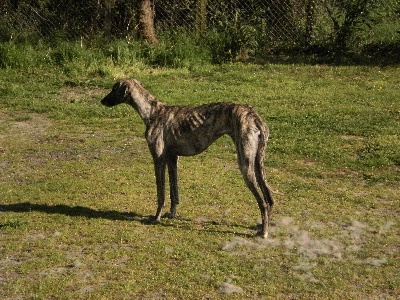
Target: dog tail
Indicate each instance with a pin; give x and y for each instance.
(259, 163)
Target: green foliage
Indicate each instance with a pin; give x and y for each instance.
(234, 43)
(123, 53)
(347, 17)
(177, 49)
(233, 30)
(18, 55)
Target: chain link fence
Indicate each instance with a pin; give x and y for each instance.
(252, 24)
(118, 18)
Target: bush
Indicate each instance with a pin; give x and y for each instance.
(18, 55)
(123, 52)
(176, 49)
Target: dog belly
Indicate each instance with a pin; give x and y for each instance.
(188, 149)
(191, 145)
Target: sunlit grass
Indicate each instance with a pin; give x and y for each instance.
(77, 187)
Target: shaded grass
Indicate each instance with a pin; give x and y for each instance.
(77, 187)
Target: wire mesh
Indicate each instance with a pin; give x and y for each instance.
(118, 18)
(265, 23)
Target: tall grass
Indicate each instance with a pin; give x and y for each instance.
(20, 55)
(177, 51)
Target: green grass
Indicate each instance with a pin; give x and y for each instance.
(77, 186)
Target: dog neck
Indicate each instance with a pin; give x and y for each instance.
(144, 103)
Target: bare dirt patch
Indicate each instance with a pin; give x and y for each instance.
(26, 126)
(74, 94)
(302, 242)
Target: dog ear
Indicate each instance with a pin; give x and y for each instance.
(116, 86)
(121, 87)
(126, 91)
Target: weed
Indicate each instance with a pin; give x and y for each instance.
(12, 224)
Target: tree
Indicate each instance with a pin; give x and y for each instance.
(146, 21)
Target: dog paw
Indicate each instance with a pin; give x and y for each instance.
(151, 220)
(261, 234)
(169, 215)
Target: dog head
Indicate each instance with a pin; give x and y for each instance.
(121, 92)
(117, 95)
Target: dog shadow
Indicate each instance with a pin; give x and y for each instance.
(82, 211)
(72, 211)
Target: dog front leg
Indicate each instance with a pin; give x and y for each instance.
(173, 182)
(160, 182)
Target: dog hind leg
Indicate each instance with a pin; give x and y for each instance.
(247, 153)
(260, 175)
(251, 182)
(269, 200)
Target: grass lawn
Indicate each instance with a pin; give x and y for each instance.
(77, 186)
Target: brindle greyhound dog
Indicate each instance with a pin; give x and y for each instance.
(173, 131)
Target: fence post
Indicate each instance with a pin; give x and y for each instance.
(309, 22)
(201, 17)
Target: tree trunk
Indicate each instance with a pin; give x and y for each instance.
(146, 21)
